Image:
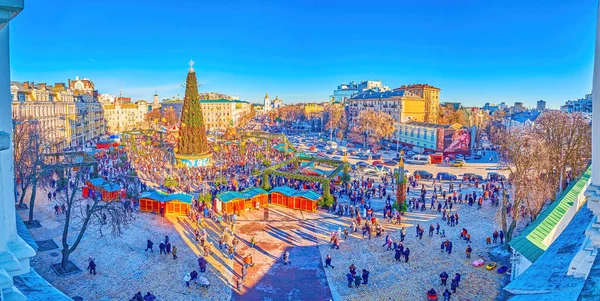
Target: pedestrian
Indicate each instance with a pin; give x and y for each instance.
(444, 278)
(431, 228)
(402, 234)
(501, 234)
(437, 228)
(149, 245)
(443, 246)
(365, 276)
(495, 236)
(350, 279)
(138, 297)
(174, 252)
(187, 279)
(202, 264)
(92, 266)
(447, 295)
(252, 242)
(194, 276)
(149, 297)
(357, 280)
(488, 240)
(468, 251)
(286, 258)
(56, 209)
(406, 254)
(453, 286)
(244, 271)
(168, 248)
(449, 247)
(162, 212)
(457, 279)
(328, 261)
(162, 248)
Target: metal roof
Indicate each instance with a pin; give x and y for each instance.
(181, 197)
(252, 192)
(309, 194)
(230, 196)
(285, 190)
(97, 181)
(530, 242)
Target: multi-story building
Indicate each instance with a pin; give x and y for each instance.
(344, 92)
(431, 97)
(446, 138)
(222, 113)
(518, 107)
(125, 116)
(374, 85)
(71, 117)
(414, 102)
(583, 105)
(541, 105)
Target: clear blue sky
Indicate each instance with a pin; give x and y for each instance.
(475, 51)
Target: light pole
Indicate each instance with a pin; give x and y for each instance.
(398, 138)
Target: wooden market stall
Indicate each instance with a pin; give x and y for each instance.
(230, 202)
(178, 203)
(95, 184)
(152, 201)
(306, 200)
(110, 192)
(283, 196)
(254, 195)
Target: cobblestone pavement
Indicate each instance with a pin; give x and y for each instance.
(270, 279)
(123, 267)
(391, 280)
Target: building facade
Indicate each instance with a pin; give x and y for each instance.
(450, 139)
(126, 116)
(583, 105)
(541, 105)
(402, 105)
(70, 117)
(218, 113)
(431, 97)
(344, 92)
(15, 253)
(269, 104)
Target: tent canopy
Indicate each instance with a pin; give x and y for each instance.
(309, 194)
(97, 181)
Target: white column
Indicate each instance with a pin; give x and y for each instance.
(580, 265)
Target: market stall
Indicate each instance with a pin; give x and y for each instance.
(283, 196)
(254, 195)
(110, 192)
(152, 201)
(178, 203)
(306, 200)
(230, 202)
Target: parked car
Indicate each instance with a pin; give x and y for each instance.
(364, 157)
(352, 152)
(472, 176)
(390, 163)
(423, 174)
(445, 176)
(329, 152)
(362, 164)
(458, 163)
(377, 163)
(336, 158)
(419, 159)
(460, 156)
(376, 157)
(494, 176)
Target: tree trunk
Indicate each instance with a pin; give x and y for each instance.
(65, 257)
(508, 235)
(560, 183)
(23, 192)
(32, 199)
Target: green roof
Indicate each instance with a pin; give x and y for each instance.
(252, 192)
(309, 194)
(182, 197)
(530, 242)
(285, 190)
(230, 196)
(97, 181)
(221, 100)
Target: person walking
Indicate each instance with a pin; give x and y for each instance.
(468, 251)
(92, 266)
(149, 245)
(501, 234)
(495, 236)
(457, 279)
(174, 252)
(402, 234)
(350, 279)
(252, 242)
(447, 295)
(453, 286)
(357, 281)
(286, 258)
(244, 271)
(162, 248)
(449, 247)
(202, 264)
(187, 279)
(168, 248)
(406, 254)
(328, 261)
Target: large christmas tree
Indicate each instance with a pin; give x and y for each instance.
(192, 136)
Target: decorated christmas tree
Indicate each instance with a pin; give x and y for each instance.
(192, 135)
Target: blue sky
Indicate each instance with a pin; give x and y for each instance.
(475, 51)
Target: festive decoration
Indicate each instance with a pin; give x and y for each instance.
(401, 186)
(192, 135)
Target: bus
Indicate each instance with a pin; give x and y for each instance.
(437, 158)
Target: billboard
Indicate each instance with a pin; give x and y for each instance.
(457, 140)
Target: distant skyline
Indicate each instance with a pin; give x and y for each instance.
(475, 51)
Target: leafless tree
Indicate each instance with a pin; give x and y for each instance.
(569, 137)
(82, 213)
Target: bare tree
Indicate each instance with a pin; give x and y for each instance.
(334, 113)
(528, 165)
(84, 213)
(569, 137)
(373, 125)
